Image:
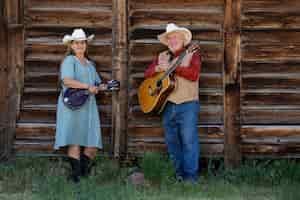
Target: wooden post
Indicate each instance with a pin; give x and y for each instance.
(13, 67)
(3, 82)
(231, 80)
(120, 62)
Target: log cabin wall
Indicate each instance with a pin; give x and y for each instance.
(266, 102)
(270, 78)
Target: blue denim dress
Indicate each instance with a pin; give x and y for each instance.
(82, 126)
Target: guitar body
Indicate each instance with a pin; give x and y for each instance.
(152, 97)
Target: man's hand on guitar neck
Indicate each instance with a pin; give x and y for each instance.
(164, 66)
(186, 61)
(161, 67)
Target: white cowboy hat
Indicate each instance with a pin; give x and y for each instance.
(78, 35)
(172, 28)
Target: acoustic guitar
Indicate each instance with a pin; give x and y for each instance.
(154, 91)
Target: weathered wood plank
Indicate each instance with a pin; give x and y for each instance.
(120, 61)
(290, 150)
(156, 131)
(45, 50)
(45, 131)
(266, 5)
(51, 98)
(271, 52)
(175, 3)
(4, 143)
(46, 147)
(56, 34)
(139, 148)
(263, 15)
(231, 80)
(144, 32)
(209, 114)
(15, 65)
(88, 16)
(141, 49)
(274, 68)
(271, 37)
(272, 115)
(271, 81)
(47, 113)
(78, 3)
(265, 131)
(261, 97)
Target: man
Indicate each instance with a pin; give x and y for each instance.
(180, 115)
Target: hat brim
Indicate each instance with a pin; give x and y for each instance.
(68, 39)
(163, 38)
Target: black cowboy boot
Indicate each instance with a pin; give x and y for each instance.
(76, 170)
(86, 165)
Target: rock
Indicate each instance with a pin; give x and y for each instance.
(136, 178)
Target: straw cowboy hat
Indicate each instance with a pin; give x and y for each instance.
(173, 28)
(78, 35)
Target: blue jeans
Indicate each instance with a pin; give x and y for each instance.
(181, 134)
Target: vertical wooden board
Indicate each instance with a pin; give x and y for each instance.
(232, 153)
(120, 62)
(14, 67)
(3, 83)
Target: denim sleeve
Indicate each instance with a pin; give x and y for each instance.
(67, 68)
(98, 79)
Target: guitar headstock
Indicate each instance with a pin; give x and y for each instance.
(192, 48)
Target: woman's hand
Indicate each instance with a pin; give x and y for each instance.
(102, 87)
(93, 89)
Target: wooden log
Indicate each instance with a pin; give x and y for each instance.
(15, 66)
(270, 115)
(269, 131)
(49, 16)
(120, 62)
(175, 3)
(139, 148)
(210, 114)
(155, 130)
(231, 81)
(72, 3)
(270, 15)
(3, 83)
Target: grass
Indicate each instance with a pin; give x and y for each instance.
(45, 179)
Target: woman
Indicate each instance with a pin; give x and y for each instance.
(79, 128)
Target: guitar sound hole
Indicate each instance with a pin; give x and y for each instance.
(158, 84)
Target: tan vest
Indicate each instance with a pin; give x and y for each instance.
(185, 90)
